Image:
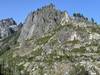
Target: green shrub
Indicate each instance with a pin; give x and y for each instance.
(78, 70)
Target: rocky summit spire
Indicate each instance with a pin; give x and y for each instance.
(8, 22)
(7, 27)
(42, 21)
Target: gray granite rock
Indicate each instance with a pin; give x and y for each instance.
(41, 22)
(7, 27)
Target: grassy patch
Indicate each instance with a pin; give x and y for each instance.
(73, 42)
(42, 40)
(81, 50)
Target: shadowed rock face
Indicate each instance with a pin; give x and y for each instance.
(7, 27)
(40, 22)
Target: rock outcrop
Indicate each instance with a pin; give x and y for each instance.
(7, 27)
(41, 22)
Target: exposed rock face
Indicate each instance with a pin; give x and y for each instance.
(7, 22)
(65, 19)
(7, 27)
(41, 22)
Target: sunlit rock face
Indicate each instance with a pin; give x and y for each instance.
(65, 19)
(42, 21)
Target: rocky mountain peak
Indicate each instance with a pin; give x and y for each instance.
(42, 21)
(8, 22)
(7, 27)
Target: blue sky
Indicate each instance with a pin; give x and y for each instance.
(19, 9)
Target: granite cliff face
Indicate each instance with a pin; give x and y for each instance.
(52, 43)
(40, 22)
